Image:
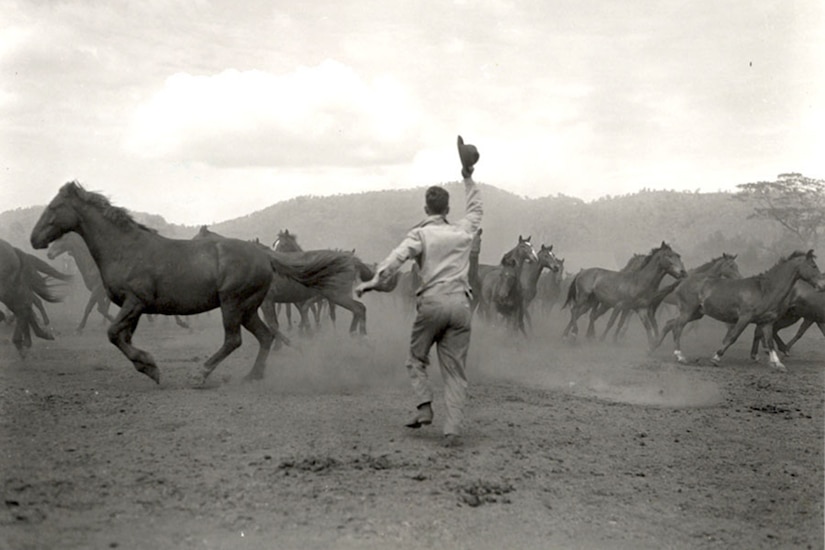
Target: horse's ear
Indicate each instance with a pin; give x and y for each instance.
(550, 248)
(480, 230)
(528, 238)
(520, 239)
(811, 255)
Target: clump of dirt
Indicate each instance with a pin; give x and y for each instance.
(476, 493)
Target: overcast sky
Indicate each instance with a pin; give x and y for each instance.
(203, 111)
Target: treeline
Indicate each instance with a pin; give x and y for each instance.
(603, 233)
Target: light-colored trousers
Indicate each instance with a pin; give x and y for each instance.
(443, 320)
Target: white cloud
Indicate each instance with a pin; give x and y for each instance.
(323, 115)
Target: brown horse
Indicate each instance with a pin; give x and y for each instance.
(597, 290)
(23, 283)
(758, 300)
(144, 273)
(501, 288)
(804, 302)
(724, 267)
(686, 297)
(530, 273)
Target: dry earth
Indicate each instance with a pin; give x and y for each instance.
(591, 446)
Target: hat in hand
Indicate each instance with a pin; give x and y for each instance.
(468, 155)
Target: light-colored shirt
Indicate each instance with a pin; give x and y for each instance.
(441, 249)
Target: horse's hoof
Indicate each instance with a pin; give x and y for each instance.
(716, 360)
(152, 372)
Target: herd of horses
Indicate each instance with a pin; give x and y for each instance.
(144, 273)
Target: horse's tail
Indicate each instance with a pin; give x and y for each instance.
(44, 267)
(571, 292)
(323, 270)
(31, 267)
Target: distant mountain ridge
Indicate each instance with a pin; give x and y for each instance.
(605, 232)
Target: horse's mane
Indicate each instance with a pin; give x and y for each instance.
(642, 259)
(115, 214)
(791, 256)
(763, 277)
(710, 263)
(653, 252)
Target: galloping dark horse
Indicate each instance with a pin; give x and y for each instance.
(501, 288)
(597, 290)
(686, 297)
(804, 302)
(758, 300)
(21, 288)
(530, 273)
(144, 272)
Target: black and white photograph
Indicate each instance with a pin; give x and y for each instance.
(462, 275)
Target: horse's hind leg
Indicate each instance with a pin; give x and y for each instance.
(359, 313)
(806, 324)
(597, 311)
(733, 333)
(232, 319)
(258, 328)
(613, 315)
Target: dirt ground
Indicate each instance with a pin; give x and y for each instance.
(588, 446)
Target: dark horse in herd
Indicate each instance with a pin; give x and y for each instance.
(144, 273)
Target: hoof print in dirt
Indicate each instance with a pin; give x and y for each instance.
(476, 493)
(309, 464)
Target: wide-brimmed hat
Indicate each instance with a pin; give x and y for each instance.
(468, 154)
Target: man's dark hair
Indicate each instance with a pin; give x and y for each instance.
(437, 201)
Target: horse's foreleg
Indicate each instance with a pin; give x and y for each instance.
(767, 340)
(651, 335)
(120, 334)
(757, 337)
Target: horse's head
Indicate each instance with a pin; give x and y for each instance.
(808, 270)
(670, 261)
(547, 259)
(59, 217)
(728, 268)
(524, 250)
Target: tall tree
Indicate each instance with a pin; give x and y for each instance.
(794, 201)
